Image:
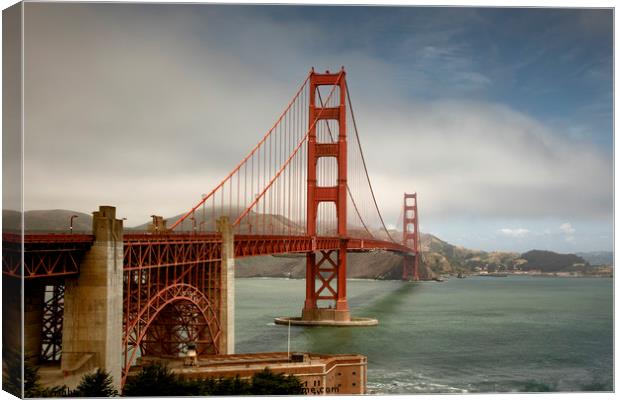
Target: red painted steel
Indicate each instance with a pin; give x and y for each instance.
(252, 152)
(44, 255)
(164, 250)
(411, 237)
(171, 295)
(336, 269)
(172, 280)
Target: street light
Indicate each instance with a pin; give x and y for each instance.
(71, 223)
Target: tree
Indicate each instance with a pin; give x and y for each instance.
(156, 380)
(32, 387)
(97, 384)
(11, 372)
(268, 383)
(226, 386)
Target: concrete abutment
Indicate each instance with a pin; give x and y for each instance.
(93, 311)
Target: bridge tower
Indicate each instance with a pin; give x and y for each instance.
(411, 236)
(325, 267)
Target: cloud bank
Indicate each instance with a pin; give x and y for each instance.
(517, 232)
(146, 108)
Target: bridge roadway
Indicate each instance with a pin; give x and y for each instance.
(55, 255)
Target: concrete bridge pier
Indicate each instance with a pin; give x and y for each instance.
(93, 314)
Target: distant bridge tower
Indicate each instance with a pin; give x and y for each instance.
(411, 237)
(321, 266)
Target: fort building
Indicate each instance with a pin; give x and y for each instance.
(320, 374)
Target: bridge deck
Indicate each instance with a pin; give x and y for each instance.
(51, 254)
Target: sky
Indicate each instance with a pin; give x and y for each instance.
(500, 119)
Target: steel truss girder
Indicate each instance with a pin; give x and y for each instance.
(172, 295)
(60, 255)
(326, 275)
(51, 327)
(158, 251)
(44, 255)
(156, 267)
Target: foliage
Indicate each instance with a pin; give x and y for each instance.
(266, 382)
(11, 372)
(32, 387)
(97, 384)
(548, 261)
(158, 380)
(226, 386)
(155, 380)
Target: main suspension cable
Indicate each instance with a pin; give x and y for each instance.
(364, 164)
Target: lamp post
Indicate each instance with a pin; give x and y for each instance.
(71, 223)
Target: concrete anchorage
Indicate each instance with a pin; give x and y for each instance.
(93, 313)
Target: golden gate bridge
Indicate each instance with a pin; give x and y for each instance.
(304, 188)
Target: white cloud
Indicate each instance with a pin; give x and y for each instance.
(517, 232)
(567, 228)
(157, 108)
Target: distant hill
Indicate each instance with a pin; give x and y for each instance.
(444, 258)
(438, 257)
(206, 220)
(598, 257)
(53, 221)
(548, 261)
(372, 265)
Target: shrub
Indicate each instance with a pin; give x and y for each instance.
(268, 383)
(158, 380)
(32, 387)
(155, 380)
(97, 384)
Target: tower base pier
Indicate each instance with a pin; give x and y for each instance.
(325, 314)
(352, 321)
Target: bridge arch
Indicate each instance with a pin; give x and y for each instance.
(177, 314)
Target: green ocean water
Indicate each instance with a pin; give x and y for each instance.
(480, 334)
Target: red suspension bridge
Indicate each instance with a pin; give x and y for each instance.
(304, 188)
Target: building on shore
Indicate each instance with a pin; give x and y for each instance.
(320, 374)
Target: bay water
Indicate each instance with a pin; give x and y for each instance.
(479, 334)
